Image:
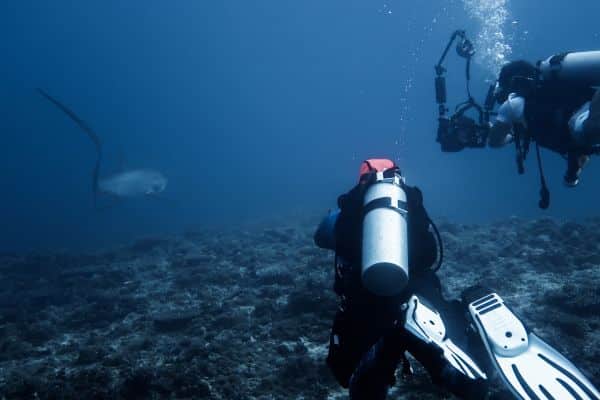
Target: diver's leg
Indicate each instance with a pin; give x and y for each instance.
(584, 124)
(585, 130)
(575, 164)
(591, 126)
(571, 178)
(376, 371)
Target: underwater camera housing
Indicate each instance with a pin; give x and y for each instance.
(458, 131)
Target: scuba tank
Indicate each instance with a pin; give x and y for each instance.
(385, 236)
(582, 68)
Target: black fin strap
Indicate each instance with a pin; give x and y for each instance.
(519, 150)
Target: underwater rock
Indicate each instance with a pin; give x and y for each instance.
(36, 333)
(306, 302)
(20, 386)
(137, 384)
(173, 320)
(250, 310)
(90, 355)
(274, 275)
(575, 299)
(198, 259)
(147, 244)
(280, 235)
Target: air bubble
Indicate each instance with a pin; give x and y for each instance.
(492, 47)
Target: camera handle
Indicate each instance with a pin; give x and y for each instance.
(466, 50)
(440, 70)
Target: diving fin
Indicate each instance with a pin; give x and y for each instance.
(427, 325)
(532, 369)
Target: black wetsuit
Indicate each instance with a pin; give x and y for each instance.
(548, 110)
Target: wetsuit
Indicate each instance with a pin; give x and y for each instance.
(582, 122)
(558, 116)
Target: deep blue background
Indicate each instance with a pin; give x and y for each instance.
(253, 109)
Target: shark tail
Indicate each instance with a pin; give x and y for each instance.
(89, 131)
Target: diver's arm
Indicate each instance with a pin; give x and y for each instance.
(325, 235)
(512, 111)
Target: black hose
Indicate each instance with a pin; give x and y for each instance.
(468, 74)
(455, 34)
(440, 246)
(544, 202)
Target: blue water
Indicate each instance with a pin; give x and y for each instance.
(254, 110)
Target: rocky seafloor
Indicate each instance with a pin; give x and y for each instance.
(245, 314)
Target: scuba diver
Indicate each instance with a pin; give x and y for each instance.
(387, 253)
(553, 103)
(557, 113)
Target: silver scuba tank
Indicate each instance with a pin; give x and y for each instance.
(578, 67)
(385, 237)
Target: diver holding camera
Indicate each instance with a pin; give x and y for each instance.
(553, 103)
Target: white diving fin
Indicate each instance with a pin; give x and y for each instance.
(427, 325)
(531, 368)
